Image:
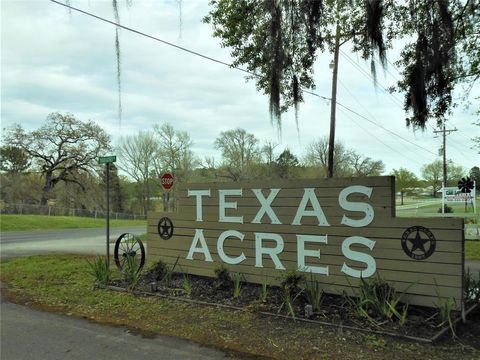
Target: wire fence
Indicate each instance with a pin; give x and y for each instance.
(30, 209)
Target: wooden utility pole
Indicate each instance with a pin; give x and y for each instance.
(333, 106)
(444, 132)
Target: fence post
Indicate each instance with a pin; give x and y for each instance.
(49, 211)
(95, 213)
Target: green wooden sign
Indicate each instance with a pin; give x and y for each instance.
(107, 159)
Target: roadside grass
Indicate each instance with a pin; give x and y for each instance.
(472, 250)
(41, 222)
(62, 284)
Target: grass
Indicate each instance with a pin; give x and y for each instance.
(40, 222)
(63, 284)
(472, 250)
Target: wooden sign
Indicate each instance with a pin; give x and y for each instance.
(339, 230)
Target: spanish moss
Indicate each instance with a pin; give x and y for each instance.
(117, 53)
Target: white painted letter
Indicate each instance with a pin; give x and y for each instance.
(228, 205)
(266, 206)
(203, 249)
(309, 195)
(356, 206)
(302, 253)
(198, 194)
(272, 252)
(223, 236)
(358, 256)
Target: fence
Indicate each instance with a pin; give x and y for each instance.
(29, 209)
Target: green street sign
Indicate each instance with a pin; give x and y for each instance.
(107, 159)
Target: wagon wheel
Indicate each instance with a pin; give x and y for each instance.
(129, 245)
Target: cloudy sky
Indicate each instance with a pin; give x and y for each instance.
(53, 60)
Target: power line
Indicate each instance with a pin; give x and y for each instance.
(365, 73)
(227, 64)
(374, 136)
(369, 113)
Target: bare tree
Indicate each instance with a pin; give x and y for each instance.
(135, 154)
(317, 156)
(240, 152)
(174, 152)
(63, 147)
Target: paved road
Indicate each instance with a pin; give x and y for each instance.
(31, 334)
(77, 241)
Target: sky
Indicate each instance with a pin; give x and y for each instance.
(53, 60)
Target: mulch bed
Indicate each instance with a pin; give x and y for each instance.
(423, 324)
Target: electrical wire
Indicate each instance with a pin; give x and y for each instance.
(235, 67)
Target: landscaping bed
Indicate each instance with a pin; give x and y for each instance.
(377, 309)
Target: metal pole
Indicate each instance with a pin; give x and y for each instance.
(107, 191)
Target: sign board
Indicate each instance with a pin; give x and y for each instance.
(167, 181)
(455, 195)
(339, 230)
(107, 159)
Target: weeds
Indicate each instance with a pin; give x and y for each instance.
(445, 310)
(100, 270)
(168, 274)
(378, 301)
(237, 285)
(471, 287)
(263, 291)
(187, 284)
(223, 276)
(313, 293)
(291, 281)
(131, 271)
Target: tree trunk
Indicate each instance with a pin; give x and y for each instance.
(46, 188)
(401, 197)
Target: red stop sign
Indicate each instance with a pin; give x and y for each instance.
(167, 181)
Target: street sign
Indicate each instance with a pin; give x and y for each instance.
(107, 159)
(167, 181)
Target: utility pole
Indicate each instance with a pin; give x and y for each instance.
(444, 133)
(333, 105)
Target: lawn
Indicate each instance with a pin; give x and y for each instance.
(40, 222)
(472, 250)
(63, 284)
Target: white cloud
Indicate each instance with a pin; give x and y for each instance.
(54, 61)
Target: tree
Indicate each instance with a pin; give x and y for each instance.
(365, 166)
(475, 176)
(136, 153)
(240, 152)
(455, 173)
(432, 174)
(63, 147)
(317, 156)
(174, 152)
(404, 181)
(13, 159)
(278, 40)
(286, 164)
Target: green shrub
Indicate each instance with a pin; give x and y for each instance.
(131, 271)
(222, 276)
(100, 270)
(378, 301)
(237, 285)
(291, 281)
(313, 293)
(448, 209)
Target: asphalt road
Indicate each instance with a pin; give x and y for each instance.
(31, 334)
(71, 241)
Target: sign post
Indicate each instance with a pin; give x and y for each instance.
(107, 160)
(166, 180)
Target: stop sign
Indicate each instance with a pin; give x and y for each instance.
(167, 181)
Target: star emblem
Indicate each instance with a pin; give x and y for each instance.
(419, 246)
(165, 228)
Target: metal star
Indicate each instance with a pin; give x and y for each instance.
(418, 243)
